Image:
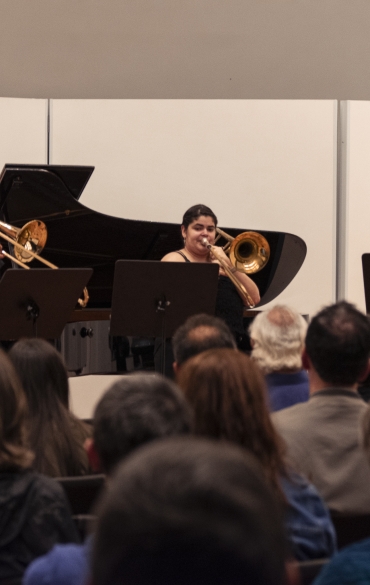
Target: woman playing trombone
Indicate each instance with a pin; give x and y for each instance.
(198, 230)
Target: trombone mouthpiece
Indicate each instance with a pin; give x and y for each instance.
(205, 243)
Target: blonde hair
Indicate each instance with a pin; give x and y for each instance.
(278, 339)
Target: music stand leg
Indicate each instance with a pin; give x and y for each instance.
(33, 312)
(161, 308)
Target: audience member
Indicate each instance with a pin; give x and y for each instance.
(227, 392)
(197, 334)
(322, 434)
(189, 511)
(137, 409)
(33, 509)
(351, 566)
(56, 435)
(364, 388)
(277, 338)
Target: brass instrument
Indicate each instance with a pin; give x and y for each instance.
(28, 242)
(249, 252)
(229, 272)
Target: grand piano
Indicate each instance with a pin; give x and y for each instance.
(81, 237)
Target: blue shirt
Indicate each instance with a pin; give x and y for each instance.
(308, 524)
(287, 389)
(351, 566)
(65, 564)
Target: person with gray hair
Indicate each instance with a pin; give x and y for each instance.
(277, 339)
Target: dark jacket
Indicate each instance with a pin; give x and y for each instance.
(34, 515)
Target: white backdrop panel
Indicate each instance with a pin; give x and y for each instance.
(358, 199)
(260, 164)
(23, 129)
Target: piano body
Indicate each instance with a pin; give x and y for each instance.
(81, 237)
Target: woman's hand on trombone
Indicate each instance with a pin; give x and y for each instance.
(221, 257)
(249, 291)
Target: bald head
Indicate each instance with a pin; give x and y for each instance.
(200, 333)
(281, 316)
(203, 332)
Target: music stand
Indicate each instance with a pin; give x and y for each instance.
(38, 302)
(154, 298)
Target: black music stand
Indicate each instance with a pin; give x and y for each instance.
(154, 298)
(38, 302)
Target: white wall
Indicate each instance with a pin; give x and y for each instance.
(23, 131)
(263, 165)
(357, 199)
(86, 391)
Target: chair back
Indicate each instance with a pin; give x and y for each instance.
(82, 491)
(350, 527)
(309, 570)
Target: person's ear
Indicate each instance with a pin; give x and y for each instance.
(92, 455)
(306, 360)
(175, 368)
(183, 232)
(365, 373)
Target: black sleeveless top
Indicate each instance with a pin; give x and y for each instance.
(229, 305)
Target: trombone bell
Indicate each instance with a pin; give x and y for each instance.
(28, 242)
(249, 252)
(32, 237)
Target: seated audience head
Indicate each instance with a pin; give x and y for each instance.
(338, 345)
(14, 451)
(189, 511)
(277, 338)
(227, 392)
(135, 410)
(56, 436)
(42, 371)
(199, 333)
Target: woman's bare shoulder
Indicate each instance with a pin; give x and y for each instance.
(173, 257)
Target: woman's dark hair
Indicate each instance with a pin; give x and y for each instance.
(14, 451)
(56, 435)
(196, 211)
(228, 395)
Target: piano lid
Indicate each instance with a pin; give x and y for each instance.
(81, 237)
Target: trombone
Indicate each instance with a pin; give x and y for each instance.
(28, 242)
(249, 252)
